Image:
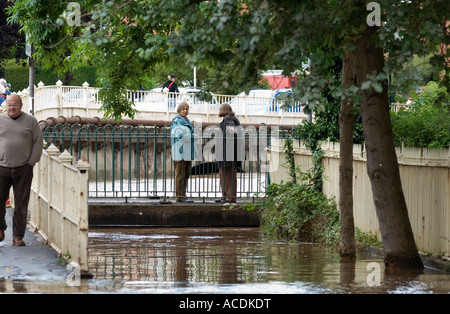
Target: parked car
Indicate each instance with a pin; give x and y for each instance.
(259, 100)
(77, 94)
(156, 98)
(194, 95)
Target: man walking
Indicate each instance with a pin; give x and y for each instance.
(21, 143)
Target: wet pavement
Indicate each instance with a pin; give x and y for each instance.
(204, 261)
(30, 268)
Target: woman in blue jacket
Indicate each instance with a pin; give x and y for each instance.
(182, 140)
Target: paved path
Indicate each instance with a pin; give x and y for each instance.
(35, 261)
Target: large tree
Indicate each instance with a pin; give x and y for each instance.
(241, 38)
(11, 42)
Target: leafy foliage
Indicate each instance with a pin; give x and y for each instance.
(426, 123)
(12, 43)
(290, 161)
(297, 211)
(127, 38)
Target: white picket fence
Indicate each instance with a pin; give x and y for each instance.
(58, 100)
(58, 205)
(425, 175)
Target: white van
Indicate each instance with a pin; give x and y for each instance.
(259, 100)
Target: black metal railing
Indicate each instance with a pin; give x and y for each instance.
(135, 161)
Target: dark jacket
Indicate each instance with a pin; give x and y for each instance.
(172, 86)
(230, 145)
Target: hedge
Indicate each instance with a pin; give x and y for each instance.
(18, 76)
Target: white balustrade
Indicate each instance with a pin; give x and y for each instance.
(59, 100)
(58, 204)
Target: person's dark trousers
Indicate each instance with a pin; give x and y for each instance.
(228, 183)
(182, 172)
(20, 179)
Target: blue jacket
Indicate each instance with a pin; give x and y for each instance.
(182, 139)
(4, 95)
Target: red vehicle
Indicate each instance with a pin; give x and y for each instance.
(278, 81)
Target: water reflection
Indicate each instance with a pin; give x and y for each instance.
(236, 260)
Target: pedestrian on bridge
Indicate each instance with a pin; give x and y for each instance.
(4, 90)
(229, 153)
(171, 87)
(21, 143)
(2, 94)
(182, 140)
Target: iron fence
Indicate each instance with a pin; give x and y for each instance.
(135, 161)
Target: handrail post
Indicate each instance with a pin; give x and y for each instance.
(86, 97)
(65, 159)
(59, 97)
(82, 217)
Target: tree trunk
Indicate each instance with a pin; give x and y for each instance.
(68, 77)
(400, 250)
(347, 226)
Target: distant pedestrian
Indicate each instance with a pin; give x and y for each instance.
(21, 143)
(2, 94)
(171, 87)
(4, 90)
(182, 140)
(229, 153)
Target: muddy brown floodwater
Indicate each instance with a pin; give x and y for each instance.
(236, 260)
(212, 261)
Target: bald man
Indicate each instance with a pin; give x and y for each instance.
(21, 143)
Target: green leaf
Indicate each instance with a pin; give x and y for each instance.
(378, 87)
(366, 85)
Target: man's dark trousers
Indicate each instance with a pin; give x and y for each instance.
(20, 179)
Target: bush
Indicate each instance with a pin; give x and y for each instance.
(297, 211)
(426, 123)
(18, 76)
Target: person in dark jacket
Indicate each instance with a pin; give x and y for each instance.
(229, 153)
(171, 87)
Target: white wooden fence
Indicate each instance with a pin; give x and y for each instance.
(58, 100)
(59, 205)
(425, 175)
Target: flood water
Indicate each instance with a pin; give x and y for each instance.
(237, 260)
(220, 261)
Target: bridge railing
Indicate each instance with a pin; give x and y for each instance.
(58, 205)
(58, 100)
(136, 162)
